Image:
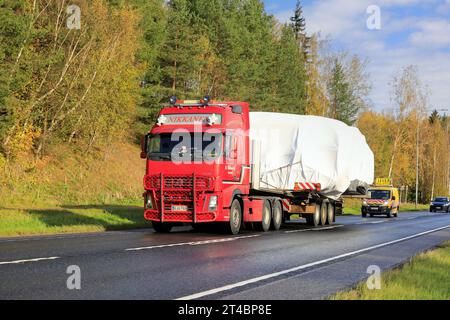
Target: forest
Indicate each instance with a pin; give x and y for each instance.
(84, 75)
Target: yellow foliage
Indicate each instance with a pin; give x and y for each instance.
(21, 140)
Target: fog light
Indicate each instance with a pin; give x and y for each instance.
(213, 203)
(148, 202)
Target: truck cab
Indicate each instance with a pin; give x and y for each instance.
(381, 201)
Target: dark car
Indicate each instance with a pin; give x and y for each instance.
(440, 204)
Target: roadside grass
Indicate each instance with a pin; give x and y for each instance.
(70, 192)
(71, 219)
(426, 277)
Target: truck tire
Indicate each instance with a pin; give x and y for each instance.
(234, 226)
(331, 214)
(277, 216)
(363, 214)
(389, 214)
(162, 227)
(314, 220)
(264, 225)
(323, 213)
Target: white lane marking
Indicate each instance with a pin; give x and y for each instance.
(328, 228)
(306, 266)
(378, 222)
(62, 237)
(315, 229)
(196, 243)
(298, 231)
(28, 260)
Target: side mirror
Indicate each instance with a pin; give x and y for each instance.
(144, 147)
(394, 198)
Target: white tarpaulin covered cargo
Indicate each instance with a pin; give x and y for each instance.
(306, 149)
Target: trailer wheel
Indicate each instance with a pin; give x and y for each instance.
(264, 225)
(234, 226)
(331, 214)
(277, 216)
(162, 227)
(314, 220)
(323, 213)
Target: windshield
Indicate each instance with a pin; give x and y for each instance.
(441, 200)
(379, 194)
(185, 147)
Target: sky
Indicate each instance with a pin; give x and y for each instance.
(412, 32)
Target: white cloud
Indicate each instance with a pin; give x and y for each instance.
(432, 34)
(388, 50)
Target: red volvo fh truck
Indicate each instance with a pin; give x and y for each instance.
(202, 168)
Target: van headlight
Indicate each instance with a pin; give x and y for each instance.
(213, 202)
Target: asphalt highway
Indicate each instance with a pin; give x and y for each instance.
(297, 262)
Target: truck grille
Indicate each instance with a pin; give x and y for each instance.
(179, 191)
(202, 183)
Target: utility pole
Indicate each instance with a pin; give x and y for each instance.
(417, 160)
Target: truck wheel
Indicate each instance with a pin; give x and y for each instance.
(363, 214)
(264, 225)
(314, 220)
(234, 227)
(277, 216)
(162, 227)
(389, 214)
(323, 213)
(331, 214)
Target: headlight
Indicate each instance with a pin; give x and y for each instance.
(365, 203)
(213, 201)
(386, 203)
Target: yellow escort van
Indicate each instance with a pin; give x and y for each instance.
(381, 200)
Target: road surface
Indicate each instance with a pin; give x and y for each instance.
(295, 263)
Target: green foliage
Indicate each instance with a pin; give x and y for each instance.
(14, 22)
(290, 74)
(65, 86)
(343, 106)
(298, 22)
(228, 49)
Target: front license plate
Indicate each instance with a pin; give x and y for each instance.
(180, 208)
(374, 209)
(439, 208)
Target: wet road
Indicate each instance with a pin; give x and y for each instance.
(295, 263)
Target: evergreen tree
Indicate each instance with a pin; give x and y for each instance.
(434, 117)
(298, 22)
(178, 59)
(342, 106)
(290, 74)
